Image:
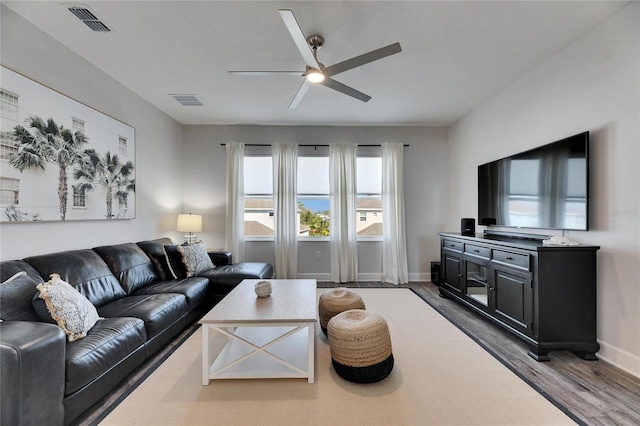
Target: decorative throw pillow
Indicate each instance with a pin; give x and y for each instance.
(176, 266)
(195, 258)
(15, 298)
(73, 312)
(14, 276)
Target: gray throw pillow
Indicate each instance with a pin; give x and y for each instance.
(195, 258)
(73, 312)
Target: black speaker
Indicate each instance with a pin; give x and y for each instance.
(468, 226)
(435, 273)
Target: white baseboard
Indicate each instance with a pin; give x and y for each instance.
(619, 358)
(370, 276)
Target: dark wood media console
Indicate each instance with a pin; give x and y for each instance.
(546, 295)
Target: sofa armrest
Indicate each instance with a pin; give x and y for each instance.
(33, 373)
(220, 257)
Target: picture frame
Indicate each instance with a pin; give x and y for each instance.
(61, 160)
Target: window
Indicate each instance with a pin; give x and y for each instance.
(77, 124)
(369, 203)
(313, 196)
(79, 197)
(8, 145)
(9, 191)
(258, 197)
(9, 107)
(123, 203)
(122, 145)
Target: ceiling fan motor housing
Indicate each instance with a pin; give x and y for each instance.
(315, 41)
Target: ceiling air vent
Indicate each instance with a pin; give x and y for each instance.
(86, 16)
(187, 100)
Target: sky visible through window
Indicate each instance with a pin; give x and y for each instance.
(316, 206)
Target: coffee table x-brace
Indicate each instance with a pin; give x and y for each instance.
(249, 337)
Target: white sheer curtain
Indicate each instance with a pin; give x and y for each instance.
(285, 165)
(394, 256)
(234, 239)
(342, 228)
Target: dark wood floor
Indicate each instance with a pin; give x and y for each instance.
(593, 392)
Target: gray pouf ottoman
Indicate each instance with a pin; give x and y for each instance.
(360, 346)
(335, 301)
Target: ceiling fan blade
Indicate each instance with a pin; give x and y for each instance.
(301, 92)
(298, 37)
(343, 88)
(365, 58)
(261, 73)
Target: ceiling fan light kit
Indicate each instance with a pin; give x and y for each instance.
(317, 73)
(314, 76)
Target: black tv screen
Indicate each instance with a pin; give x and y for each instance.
(546, 187)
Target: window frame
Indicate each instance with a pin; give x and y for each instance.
(317, 152)
(258, 196)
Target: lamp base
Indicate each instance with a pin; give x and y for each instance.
(190, 238)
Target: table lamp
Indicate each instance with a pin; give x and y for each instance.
(189, 223)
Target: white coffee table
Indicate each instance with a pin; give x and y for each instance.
(248, 337)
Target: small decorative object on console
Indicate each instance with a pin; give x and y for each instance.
(263, 289)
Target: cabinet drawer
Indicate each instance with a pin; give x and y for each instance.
(452, 245)
(477, 251)
(513, 259)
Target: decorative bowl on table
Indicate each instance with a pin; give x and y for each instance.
(263, 289)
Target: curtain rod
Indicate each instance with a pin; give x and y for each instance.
(313, 145)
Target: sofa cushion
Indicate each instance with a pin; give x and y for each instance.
(154, 249)
(225, 278)
(15, 299)
(158, 311)
(9, 268)
(195, 289)
(84, 270)
(73, 312)
(108, 343)
(131, 266)
(195, 258)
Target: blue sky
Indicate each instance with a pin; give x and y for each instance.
(316, 205)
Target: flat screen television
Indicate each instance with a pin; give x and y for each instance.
(546, 187)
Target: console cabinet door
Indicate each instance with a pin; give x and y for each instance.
(512, 298)
(453, 266)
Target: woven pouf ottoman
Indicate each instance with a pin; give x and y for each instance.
(360, 346)
(335, 301)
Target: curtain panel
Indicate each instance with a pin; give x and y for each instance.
(285, 166)
(394, 251)
(343, 198)
(234, 239)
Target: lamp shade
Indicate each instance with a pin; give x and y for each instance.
(189, 223)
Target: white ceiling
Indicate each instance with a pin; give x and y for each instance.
(456, 54)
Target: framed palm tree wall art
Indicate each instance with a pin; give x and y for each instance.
(61, 160)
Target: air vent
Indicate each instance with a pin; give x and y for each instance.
(187, 100)
(86, 16)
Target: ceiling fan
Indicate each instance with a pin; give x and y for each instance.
(316, 72)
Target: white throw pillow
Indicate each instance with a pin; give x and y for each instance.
(195, 258)
(73, 312)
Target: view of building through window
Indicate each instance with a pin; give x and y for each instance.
(313, 198)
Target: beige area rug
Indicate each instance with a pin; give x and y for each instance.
(440, 377)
